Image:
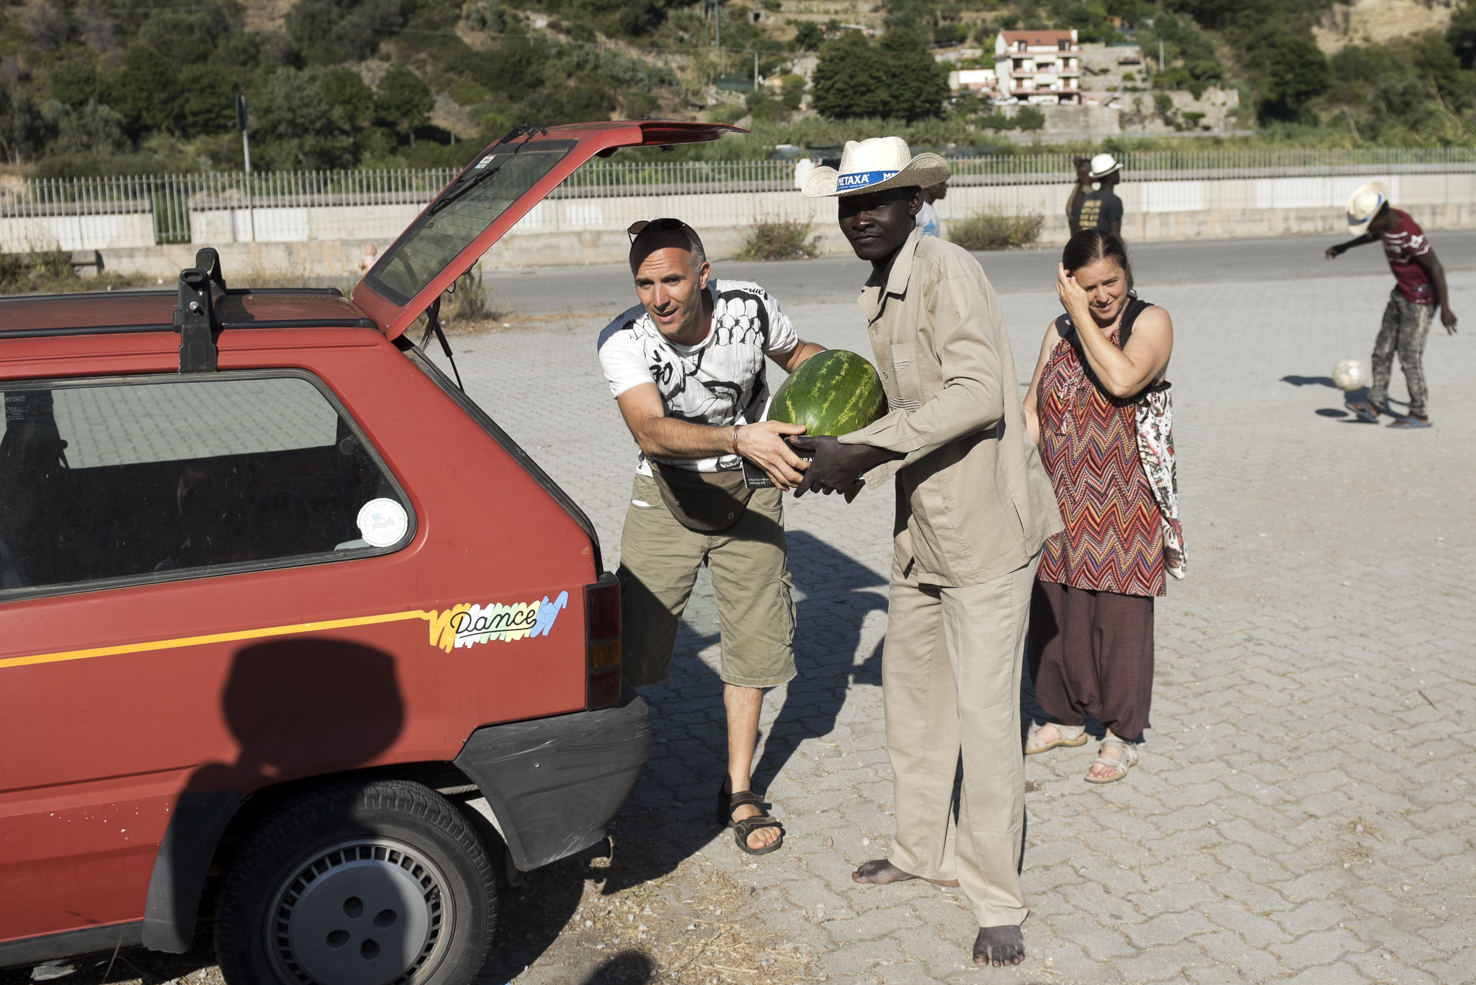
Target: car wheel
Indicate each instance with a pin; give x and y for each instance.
(377, 882)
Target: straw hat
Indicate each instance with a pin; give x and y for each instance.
(1364, 204)
(1103, 165)
(874, 165)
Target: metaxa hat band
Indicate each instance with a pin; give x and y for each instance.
(876, 164)
(863, 179)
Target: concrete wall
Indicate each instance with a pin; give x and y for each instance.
(299, 225)
(573, 232)
(70, 232)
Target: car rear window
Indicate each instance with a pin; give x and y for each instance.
(160, 478)
(494, 183)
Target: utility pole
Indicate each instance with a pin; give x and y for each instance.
(1160, 56)
(717, 13)
(755, 71)
(246, 147)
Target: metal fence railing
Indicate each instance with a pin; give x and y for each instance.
(171, 200)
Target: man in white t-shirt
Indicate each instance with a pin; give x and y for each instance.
(927, 219)
(686, 368)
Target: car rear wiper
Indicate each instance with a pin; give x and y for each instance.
(476, 175)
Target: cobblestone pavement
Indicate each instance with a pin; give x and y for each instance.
(1303, 810)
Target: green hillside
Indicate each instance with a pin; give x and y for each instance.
(106, 86)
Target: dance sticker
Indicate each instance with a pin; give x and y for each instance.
(468, 624)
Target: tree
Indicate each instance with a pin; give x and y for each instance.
(22, 127)
(46, 26)
(1438, 67)
(334, 31)
(1294, 72)
(94, 129)
(351, 98)
(916, 83)
(1462, 34)
(75, 83)
(895, 78)
(405, 101)
(189, 37)
(910, 14)
(638, 17)
(207, 100)
(146, 93)
(294, 120)
(847, 83)
(808, 36)
(1029, 118)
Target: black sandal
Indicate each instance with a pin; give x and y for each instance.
(748, 825)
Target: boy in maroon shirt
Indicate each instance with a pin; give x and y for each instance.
(1419, 287)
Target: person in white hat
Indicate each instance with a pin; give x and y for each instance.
(1101, 209)
(974, 507)
(1419, 288)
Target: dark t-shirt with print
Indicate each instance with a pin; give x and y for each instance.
(1401, 245)
(1099, 210)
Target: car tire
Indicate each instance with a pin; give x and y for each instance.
(371, 882)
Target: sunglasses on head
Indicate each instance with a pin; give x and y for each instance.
(665, 225)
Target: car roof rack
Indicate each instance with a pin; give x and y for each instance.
(195, 318)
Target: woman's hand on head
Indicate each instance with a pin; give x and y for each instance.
(1073, 298)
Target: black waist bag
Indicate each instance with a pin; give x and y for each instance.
(702, 501)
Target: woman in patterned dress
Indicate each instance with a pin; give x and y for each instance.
(1091, 616)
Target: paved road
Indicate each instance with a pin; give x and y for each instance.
(1304, 808)
(1303, 811)
(828, 280)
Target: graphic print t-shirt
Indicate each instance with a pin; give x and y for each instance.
(718, 382)
(1099, 210)
(1401, 245)
(927, 220)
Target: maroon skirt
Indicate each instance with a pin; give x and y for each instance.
(1091, 653)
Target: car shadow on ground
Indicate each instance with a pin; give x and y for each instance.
(625, 968)
(671, 814)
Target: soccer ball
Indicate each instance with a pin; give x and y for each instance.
(1349, 375)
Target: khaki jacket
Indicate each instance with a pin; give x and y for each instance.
(973, 500)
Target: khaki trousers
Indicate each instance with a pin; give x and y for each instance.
(951, 673)
(749, 564)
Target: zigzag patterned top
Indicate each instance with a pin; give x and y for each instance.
(1113, 541)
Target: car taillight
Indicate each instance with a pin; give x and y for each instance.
(602, 641)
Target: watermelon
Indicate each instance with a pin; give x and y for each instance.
(832, 392)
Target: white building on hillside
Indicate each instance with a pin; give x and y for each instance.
(983, 81)
(1039, 67)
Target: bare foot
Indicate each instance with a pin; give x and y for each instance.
(999, 946)
(881, 872)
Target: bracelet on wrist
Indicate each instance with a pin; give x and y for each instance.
(735, 437)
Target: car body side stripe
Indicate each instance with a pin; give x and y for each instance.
(245, 634)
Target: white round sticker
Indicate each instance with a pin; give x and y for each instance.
(383, 522)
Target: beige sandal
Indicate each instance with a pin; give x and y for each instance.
(1119, 767)
(1070, 736)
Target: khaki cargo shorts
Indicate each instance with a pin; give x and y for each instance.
(749, 564)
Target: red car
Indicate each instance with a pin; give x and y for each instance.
(292, 635)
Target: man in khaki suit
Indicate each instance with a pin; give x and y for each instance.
(974, 506)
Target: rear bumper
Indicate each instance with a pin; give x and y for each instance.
(554, 783)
